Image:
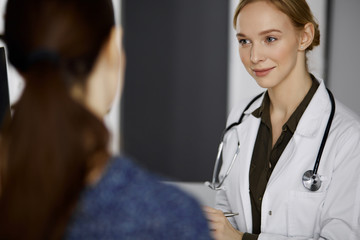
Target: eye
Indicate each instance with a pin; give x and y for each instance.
(270, 39)
(243, 42)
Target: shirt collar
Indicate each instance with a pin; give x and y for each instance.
(263, 111)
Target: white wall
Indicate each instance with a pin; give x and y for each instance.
(16, 85)
(240, 84)
(112, 120)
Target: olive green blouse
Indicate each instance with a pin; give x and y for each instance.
(265, 156)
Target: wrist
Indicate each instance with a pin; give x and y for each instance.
(240, 234)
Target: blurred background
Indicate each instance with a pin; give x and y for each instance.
(184, 75)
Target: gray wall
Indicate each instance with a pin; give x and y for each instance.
(174, 101)
(344, 63)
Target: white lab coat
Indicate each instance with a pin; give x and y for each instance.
(289, 210)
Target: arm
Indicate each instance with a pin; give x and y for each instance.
(341, 212)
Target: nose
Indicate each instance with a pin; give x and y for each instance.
(256, 53)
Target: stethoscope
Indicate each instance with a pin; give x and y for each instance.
(311, 179)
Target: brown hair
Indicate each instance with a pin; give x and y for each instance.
(297, 10)
(52, 141)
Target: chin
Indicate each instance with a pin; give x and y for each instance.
(265, 82)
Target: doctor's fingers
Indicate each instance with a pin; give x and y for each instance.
(210, 210)
(217, 225)
(215, 216)
(223, 230)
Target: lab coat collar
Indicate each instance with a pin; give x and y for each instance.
(318, 107)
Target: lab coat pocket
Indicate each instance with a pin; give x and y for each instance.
(303, 212)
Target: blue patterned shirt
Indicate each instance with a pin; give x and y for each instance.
(130, 203)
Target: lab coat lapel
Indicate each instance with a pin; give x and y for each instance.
(282, 162)
(308, 127)
(247, 132)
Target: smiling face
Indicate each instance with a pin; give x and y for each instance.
(269, 44)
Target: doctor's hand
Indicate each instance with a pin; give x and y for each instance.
(221, 228)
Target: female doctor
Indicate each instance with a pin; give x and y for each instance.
(272, 178)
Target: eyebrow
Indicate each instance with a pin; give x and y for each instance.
(261, 33)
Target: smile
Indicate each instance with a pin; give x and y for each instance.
(262, 72)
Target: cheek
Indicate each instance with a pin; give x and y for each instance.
(285, 53)
(244, 56)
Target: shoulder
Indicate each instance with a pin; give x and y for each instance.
(140, 182)
(129, 202)
(344, 119)
(346, 125)
(346, 116)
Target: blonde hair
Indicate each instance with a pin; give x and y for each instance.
(297, 10)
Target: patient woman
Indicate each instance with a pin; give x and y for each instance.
(58, 179)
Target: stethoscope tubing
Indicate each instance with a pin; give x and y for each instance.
(315, 182)
(242, 115)
(326, 133)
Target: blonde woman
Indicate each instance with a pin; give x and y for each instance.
(296, 152)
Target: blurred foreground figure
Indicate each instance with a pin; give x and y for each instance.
(58, 179)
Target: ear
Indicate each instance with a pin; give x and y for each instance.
(107, 74)
(306, 36)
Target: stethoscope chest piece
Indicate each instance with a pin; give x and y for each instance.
(311, 181)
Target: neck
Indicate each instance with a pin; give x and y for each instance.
(286, 96)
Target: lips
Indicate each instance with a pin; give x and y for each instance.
(262, 72)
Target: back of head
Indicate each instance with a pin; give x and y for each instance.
(52, 141)
(75, 30)
(297, 10)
